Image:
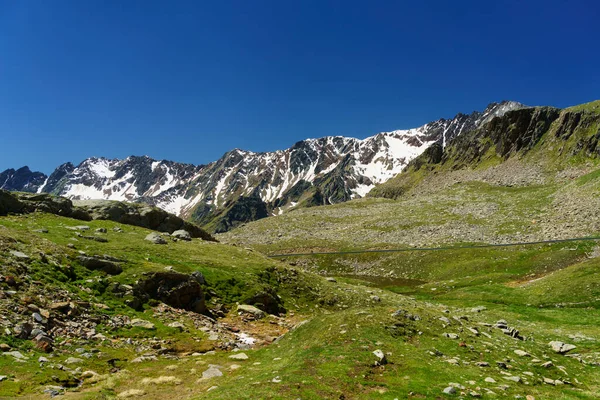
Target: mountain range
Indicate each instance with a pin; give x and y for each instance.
(243, 186)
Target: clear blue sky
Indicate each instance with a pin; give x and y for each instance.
(189, 80)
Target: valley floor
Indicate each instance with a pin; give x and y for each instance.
(458, 323)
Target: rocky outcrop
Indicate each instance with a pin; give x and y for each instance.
(542, 136)
(173, 288)
(267, 301)
(140, 215)
(517, 131)
(125, 213)
(24, 203)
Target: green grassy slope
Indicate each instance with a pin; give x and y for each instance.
(329, 356)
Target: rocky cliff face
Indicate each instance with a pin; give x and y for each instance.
(23, 180)
(244, 186)
(546, 139)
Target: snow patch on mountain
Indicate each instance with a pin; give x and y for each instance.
(342, 167)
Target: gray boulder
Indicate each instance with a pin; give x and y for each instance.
(251, 310)
(560, 347)
(96, 263)
(155, 238)
(173, 288)
(182, 235)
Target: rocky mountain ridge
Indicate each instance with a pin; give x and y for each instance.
(242, 186)
(529, 146)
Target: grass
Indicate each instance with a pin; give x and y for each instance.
(548, 292)
(330, 355)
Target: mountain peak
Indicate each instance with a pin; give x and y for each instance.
(324, 170)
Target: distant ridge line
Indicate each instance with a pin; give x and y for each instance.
(408, 249)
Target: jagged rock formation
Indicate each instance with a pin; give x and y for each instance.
(547, 137)
(23, 180)
(244, 186)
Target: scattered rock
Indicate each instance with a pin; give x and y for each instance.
(450, 335)
(548, 364)
(522, 353)
(131, 393)
(380, 358)
(212, 372)
(560, 347)
(177, 325)
(4, 347)
(141, 323)
(516, 379)
(251, 310)
(162, 380)
(155, 238)
(182, 235)
(16, 355)
(19, 255)
(73, 360)
(88, 374)
(43, 342)
(449, 390)
(239, 356)
(144, 359)
(474, 331)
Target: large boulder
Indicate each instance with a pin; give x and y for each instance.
(252, 311)
(173, 288)
(266, 300)
(560, 347)
(9, 203)
(155, 238)
(111, 267)
(182, 235)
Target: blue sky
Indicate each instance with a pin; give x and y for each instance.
(189, 80)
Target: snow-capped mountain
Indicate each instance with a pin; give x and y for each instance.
(243, 185)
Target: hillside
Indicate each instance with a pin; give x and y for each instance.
(539, 145)
(92, 309)
(72, 329)
(244, 186)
